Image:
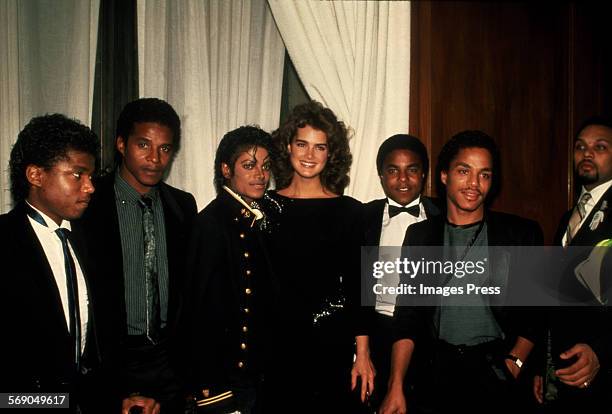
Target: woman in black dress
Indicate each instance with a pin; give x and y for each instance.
(316, 254)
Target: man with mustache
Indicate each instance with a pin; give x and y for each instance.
(138, 230)
(46, 304)
(581, 336)
(472, 352)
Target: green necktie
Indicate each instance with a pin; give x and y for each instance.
(150, 267)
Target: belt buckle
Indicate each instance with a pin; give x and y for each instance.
(461, 349)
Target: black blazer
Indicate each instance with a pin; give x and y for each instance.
(103, 237)
(36, 350)
(503, 229)
(227, 256)
(373, 218)
(591, 325)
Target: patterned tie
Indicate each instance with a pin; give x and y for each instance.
(73, 295)
(395, 210)
(150, 267)
(577, 216)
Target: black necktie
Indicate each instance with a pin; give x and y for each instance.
(74, 314)
(73, 295)
(150, 267)
(413, 210)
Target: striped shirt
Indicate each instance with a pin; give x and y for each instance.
(132, 246)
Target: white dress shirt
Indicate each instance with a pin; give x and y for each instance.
(392, 235)
(54, 252)
(596, 194)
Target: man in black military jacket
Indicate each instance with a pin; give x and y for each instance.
(581, 336)
(402, 164)
(46, 305)
(231, 285)
(476, 351)
(137, 229)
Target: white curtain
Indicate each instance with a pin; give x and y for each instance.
(47, 63)
(220, 65)
(354, 57)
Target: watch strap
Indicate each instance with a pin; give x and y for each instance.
(517, 361)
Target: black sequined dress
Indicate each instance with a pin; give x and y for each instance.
(316, 256)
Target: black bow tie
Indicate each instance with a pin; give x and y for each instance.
(395, 210)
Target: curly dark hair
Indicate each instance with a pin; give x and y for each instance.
(469, 139)
(43, 142)
(236, 142)
(148, 110)
(334, 176)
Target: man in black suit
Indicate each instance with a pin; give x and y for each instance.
(231, 280)
(402, 164)
(475, 351)
(137, 228)
(45, 299)
(581, 336)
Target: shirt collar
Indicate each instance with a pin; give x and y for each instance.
(127, 193)
(51, 224)
(414, 202)
(597, 192)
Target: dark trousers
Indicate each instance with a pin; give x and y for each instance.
(596, 398)
(149, 372)
(471, 379)
(381, 344)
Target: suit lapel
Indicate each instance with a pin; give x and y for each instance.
(41, 270)
(173, 221)
(431, 210)
(91, 341)
(374, 218)
(587, 236)
(107, 224)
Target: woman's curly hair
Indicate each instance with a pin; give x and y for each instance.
(334, 176)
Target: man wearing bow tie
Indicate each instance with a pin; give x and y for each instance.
(581, 337)
(402, 164)
(46, 306)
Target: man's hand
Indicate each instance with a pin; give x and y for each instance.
(513, 368)
(149, 405)
(394, 402)
(581, 372)
(364, 370)
(538, 388)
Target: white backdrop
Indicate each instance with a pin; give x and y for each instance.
(47, 60)
(220, 65)
(354, 57)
